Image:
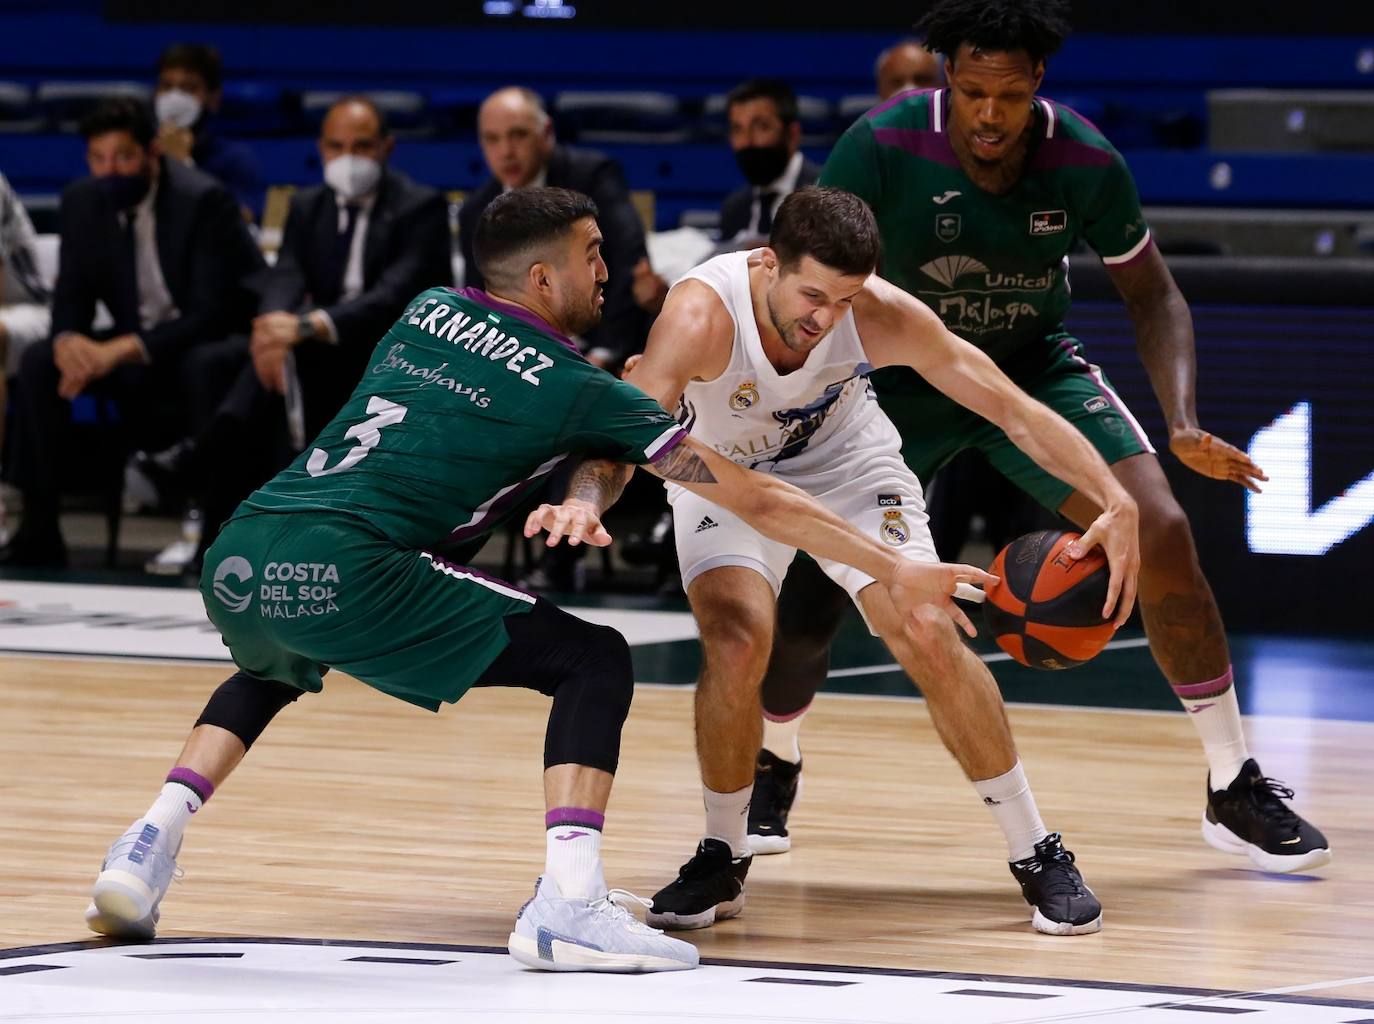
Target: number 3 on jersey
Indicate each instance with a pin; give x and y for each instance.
(367, 433)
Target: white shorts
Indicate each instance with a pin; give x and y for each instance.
(876, 493)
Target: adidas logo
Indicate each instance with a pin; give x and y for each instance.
(707, 523)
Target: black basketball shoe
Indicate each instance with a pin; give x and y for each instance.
(1250, 817)
(775, 791)
(1053, 886)
(708, 888)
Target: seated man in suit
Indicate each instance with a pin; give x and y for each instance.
(163, 247)
(189, 91)
(354, 251)
(765, 135)
(518, 143)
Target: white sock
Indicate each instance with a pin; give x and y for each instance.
(727, 817)
(1012, 804)
(572, 858)
(173, 809)
(1216, 716)
(780, 735)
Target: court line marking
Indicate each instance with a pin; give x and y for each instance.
(1198, 994)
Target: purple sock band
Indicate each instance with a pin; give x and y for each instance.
(790, 716)
(580, 816)
(198, 784)
(1211, 688)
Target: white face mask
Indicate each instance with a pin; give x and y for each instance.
(176, 107)
(352, 176)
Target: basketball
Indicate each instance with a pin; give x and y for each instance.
(1047, 611)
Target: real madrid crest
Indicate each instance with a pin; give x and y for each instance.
(894, 530)
(746, 396)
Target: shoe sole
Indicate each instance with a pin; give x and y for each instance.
(568, 956)
(125, 902)
(766, 844)
(691, 922)
(1219, 837)
(1045, 926)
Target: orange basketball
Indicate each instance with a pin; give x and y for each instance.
(1047, 611)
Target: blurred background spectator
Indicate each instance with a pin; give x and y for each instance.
(162, 246)
(765, 136)
(906, 64)
(189, 91)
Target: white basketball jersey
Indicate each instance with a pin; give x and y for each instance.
(792, 424)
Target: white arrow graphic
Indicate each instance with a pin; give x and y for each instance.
(1281, 521)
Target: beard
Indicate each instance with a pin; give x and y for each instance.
(787, 330)
(581, 313)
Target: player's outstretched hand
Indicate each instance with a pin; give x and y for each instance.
(1117, 532)
(574, 519)
(1211, 456)
(920, 583)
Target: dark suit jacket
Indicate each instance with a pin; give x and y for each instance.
(203, 248)
(624, 325)
(407, 249)
(739, 204)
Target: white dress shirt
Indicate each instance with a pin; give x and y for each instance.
(781, 187)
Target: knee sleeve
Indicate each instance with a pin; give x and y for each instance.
(811, 607)
(244, 705)
(587, 671)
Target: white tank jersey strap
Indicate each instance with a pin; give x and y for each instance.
(789, 423)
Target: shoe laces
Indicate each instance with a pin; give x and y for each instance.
(613, 907)
(1054, 865)
(701, 865)
(1269, 796)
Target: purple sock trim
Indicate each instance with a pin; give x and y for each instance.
(579, 816)
(790, 716)
(198, 784)
(1211, 688)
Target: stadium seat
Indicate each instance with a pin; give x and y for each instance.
(64, 104)
(17, 111)
(258, 108)
(1274, 120)
(620, 117)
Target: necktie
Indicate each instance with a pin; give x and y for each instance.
(131, 318)
(343, 242)
(766, 201)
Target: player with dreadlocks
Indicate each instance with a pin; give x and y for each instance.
(981, 190)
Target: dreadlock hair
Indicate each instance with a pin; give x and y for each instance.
(1036, 26)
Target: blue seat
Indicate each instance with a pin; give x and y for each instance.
(65, 103)
(620, 117)
(258, 108)
(17, 110)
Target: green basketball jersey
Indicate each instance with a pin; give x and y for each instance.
(993, 267)
(468, 402)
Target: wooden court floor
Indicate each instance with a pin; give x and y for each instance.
(356, 817)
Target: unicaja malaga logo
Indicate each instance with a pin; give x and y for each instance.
(235, 568)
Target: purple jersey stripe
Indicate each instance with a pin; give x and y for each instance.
(927, 145)
(501, 504)
(893, 100)
(497, 306)
(671, 443)
(1060, 152)
(468, 572)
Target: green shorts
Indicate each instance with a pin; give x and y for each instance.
(934, 428)
(296, 593)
